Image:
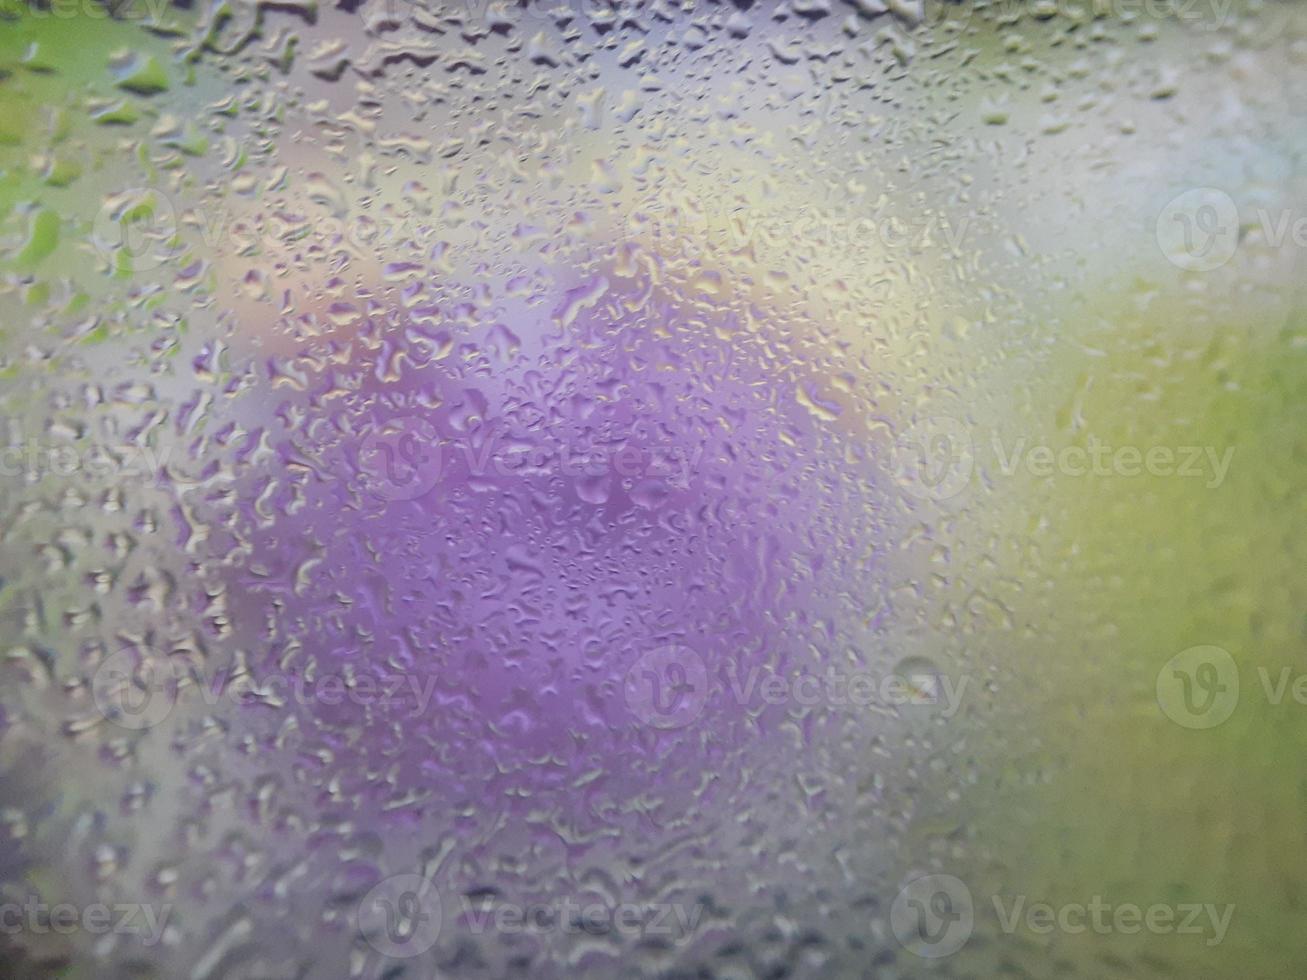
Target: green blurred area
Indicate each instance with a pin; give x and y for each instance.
(1100, 792)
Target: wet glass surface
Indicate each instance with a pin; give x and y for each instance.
(574, 489)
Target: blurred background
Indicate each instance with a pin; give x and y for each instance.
(810, 489)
